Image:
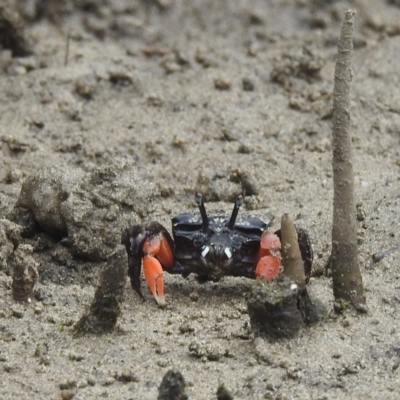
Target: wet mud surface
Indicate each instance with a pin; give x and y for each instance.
(117, 112)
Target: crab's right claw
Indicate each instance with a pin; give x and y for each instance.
(270, 244)
(268, 267)
(269, 263)
(153, 273)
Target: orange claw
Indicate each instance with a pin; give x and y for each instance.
(270, 256)
(153, 273)
(268, 267)
(270, 244)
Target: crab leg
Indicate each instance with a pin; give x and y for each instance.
(270, 257)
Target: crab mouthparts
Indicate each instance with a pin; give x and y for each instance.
(217, 254)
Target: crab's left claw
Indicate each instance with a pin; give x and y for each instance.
(149, 245)
(157, 252)
(153, 273)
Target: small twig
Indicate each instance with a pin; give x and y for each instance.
(68, 39)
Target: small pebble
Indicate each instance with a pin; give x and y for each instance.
(12, 368)
(63, 386)
(67, 394)
(337, 307)
(194, 296)
(186, 327)
(349, 369)
(109, 381)
(163, 363)
(259, 341)
(17, 312)
(161, 350)
(82, 384)
(51, 319)
(127, 375)
(44, 360)
(38, 310)
(361, 213)
(222, 84)
(155, 101)
(91, 381)
(76, 357)
(206, 350)
(40, 369)
(248, 85)
(86, 86)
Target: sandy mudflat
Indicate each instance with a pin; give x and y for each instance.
(219, 97)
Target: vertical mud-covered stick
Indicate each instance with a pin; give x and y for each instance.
(347, 280)
(293, 265)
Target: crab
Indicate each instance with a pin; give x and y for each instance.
(211, 247)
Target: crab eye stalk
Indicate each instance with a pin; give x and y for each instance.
(238, 204)
(199, 201)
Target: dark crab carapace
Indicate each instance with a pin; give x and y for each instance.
(211, 247)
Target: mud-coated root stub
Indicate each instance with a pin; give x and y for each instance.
(279, 309)
(102, 314)
(12, 35)
(223, 393)
(172, 386)
(25, 273)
